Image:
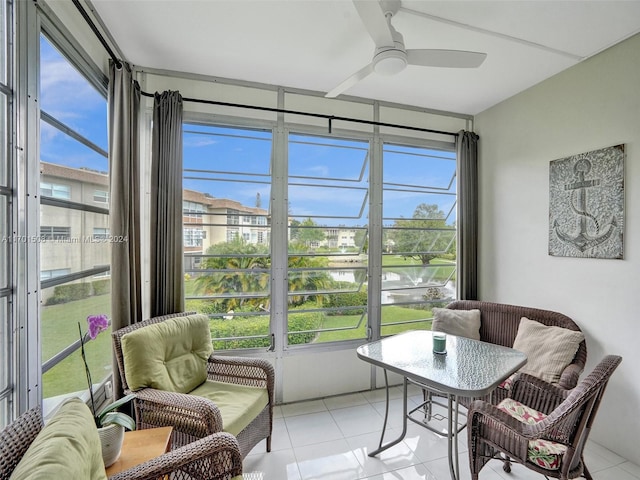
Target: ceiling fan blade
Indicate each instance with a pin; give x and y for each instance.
(351, 81)
(445, 58)
(375, 22)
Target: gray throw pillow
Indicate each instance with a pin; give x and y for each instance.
(463, 323)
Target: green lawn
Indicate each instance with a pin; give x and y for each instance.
(390, 314)
(60, 329)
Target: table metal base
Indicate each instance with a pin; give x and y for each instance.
(452, 423)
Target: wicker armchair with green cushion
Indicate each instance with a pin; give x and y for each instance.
(168, 362)
(68, 447)
(539, 425)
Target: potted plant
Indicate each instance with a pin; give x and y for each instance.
(109, 422)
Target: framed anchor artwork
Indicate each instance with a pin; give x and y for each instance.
(586, 204)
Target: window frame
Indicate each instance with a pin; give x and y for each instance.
(280, 134)
(74, 55)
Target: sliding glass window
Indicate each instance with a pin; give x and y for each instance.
(327, 255)
(74, 261)
(418, 237)
(227, 236)
(325, 209)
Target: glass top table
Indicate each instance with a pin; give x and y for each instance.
(470, 368)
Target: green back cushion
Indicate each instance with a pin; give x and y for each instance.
(68, 447)
(170, 356)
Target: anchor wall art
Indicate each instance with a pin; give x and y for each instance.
(586, 204)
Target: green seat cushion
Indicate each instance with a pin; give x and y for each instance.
(238, 404)
(68, 447)
(170, 356)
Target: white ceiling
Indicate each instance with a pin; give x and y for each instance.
(316, 44)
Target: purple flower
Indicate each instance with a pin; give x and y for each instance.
(97, 324)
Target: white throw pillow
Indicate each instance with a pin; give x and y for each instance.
(463, 323)
(549, 349)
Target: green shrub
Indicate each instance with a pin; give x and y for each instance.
(258, 326)
(101, 287)
(240, 327)
(351, 299)
(298, 322)
(69, 293)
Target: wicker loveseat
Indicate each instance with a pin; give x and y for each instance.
(69, 447)
(499, 325)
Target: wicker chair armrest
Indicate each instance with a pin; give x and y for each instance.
(256, 372)
(570, 376)
(16, 438)
(536, 393)
(186, 413)
(216, 456)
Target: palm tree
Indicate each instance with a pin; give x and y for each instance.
(237, 267)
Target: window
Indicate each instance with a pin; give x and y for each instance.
(55, 233)
(101, 196)
(327, 226)
(419, 235)
(55, 190)
(193, 237)
(327, 292)
(228, 171)
(100, 233)
(73, 144)
(49, 274)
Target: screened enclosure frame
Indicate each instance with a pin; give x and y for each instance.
(279, 256)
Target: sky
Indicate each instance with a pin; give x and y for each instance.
(328, 176)
(67, 96)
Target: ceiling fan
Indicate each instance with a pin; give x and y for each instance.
(390, 56)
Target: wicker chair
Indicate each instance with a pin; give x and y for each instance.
(194, 417)
(215, 457)
(499, 325)
(561, 416)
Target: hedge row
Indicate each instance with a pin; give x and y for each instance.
(259, 326)
(352, 299)
(78, 291)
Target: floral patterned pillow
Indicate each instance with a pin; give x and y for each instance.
(544, 453)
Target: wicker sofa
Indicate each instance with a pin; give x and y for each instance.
(69, 447)
(499, 325)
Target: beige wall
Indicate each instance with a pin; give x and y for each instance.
(593, 105)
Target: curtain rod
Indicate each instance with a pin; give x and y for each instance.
(308, 114)
(119, 63)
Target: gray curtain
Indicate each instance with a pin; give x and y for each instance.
(167, 290)
(467, 152)
(124, 201)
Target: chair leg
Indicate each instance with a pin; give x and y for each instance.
(506, 464)
(585, 472)
(269, 443)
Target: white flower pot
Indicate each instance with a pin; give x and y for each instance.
(111, 438)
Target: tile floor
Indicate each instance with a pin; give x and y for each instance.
(330, 438)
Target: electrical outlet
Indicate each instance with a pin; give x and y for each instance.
(108, 390)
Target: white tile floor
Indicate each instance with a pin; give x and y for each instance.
(330, 438)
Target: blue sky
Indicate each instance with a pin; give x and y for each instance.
(331, 174)
(67, 96)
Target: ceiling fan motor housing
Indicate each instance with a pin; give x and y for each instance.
(390, 61)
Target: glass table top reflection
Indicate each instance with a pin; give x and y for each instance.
(470, 368)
